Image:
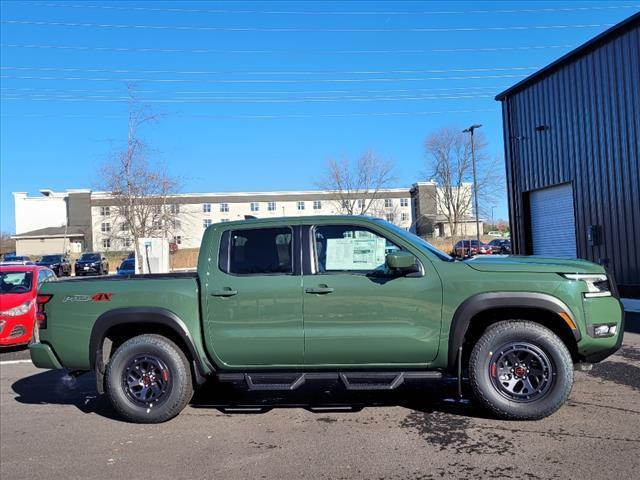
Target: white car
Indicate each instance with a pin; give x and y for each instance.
(495, 233)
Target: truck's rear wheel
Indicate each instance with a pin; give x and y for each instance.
(148, 379)
(520, 370)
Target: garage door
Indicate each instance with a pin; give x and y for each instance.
(553, 227)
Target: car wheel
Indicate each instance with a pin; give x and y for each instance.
(520, 370)
(148, 379)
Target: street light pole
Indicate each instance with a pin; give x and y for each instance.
(475, 179)
(493, 225)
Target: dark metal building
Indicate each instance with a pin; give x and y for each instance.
(572, 142)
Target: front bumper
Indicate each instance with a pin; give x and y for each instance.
(43, 356)
(87, 270)
(16, 330)
(604, 310)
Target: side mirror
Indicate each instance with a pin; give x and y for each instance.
(403, 261)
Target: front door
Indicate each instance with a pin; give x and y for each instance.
(254, 299)
(357, 312)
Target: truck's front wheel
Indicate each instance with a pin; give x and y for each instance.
(148, 379)
(520, 370)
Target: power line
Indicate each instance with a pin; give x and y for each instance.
(241, 100)
(282, 72)
(330, 13)
(300, 29)
(257, 81)
(260, 92)
(272, 52)
(264, 116)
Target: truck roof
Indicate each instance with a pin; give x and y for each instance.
(298, 220)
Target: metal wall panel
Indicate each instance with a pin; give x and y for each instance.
(580, 123)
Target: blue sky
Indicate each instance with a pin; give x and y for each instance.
(258, 95)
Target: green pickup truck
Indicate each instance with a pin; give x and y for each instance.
(277, 303)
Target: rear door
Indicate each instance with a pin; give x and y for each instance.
(358, 313)
(254, 298)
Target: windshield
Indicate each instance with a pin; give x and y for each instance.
(15, 282)
(90, 257)
(13, 258)
(127, 265)
(416, 240)
(51, 258)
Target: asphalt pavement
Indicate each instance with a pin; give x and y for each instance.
(52, 429)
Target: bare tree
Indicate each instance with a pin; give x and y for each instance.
(140, 191)
(7, 244)
(449, 163)
(358, 185)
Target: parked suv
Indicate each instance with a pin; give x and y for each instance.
(91, 264)
(58, 263)
(468, 248)
(501, 245)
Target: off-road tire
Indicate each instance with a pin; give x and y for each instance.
(510, 332)
(178, 392)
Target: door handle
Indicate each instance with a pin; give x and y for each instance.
(320, 289)
(224, 292)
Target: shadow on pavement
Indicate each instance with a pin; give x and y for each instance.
(55, 387)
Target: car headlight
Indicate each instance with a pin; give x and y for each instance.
(19, 310)
(597, 284)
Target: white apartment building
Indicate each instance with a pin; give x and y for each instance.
(92, 218)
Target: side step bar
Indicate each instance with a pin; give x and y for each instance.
(350, 380)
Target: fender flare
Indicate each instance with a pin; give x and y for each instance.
(488, 301)
(144, 315)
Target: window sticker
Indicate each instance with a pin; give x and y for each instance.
(355, 253)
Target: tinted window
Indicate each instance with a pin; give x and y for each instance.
(52, 258)
(260, 251)
(15, 282)
(345, 248)
(90, 257)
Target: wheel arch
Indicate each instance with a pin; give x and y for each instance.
(123, 323)
(481, 310)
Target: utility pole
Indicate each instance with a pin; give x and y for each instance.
(475, 179)
(492, 223)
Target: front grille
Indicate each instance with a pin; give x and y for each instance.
(17, 331)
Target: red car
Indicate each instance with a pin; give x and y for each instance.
(18, 291)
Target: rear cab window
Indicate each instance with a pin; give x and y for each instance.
(257, 251)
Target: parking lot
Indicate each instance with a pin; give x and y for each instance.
(53, 430)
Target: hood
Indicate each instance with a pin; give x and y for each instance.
(10, 300)
(534, 264)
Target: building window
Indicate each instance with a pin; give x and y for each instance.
(404, 202)
(156, 225)
(360, 204)
(177, 240)
(124, 210)
(404, 216)
(206, 223)
(106, 243)
(126, 242)
(105, 211)
(175, 224)
(389, 217)
(317, 204)
(224, 220)
(124, 227)
(255, 206)
(206, 208)
(105, 227)
(174, 208)
(388, 203)
(271, 206)
(224, 207)
(300, 205)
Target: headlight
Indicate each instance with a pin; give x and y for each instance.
(19, 310)
(597, 284)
